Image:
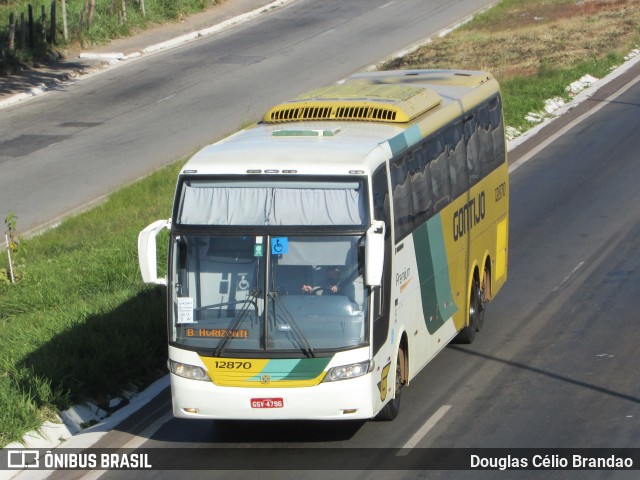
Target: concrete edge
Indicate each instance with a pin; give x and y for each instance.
(54, 435)
(584, 95)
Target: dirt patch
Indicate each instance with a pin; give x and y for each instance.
(536, 13)
(520, 40)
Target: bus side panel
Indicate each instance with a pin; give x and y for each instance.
(501, 197)
(501, 252)
(489, 238)
(422, 273)
(406, 311)
(475, 227)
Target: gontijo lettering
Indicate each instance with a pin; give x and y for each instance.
(468, 216)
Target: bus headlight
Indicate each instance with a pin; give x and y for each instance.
(345, 372)
(188, 371)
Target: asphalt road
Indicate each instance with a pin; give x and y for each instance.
(554, 367)
(556, 363)
(69, 148)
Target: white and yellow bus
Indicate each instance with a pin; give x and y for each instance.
(319, 260)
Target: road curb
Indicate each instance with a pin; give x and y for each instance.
(580, 98)
(53, 435)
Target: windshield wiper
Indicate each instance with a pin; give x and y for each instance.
(295, 328)
(237, 319)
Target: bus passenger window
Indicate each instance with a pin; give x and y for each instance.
(497, 130)
(440, 182)
(421, 195)
(402, 201)
(380, 195)
(473, 148)
(457, 157)
(485, 140)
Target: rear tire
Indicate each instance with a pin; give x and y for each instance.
(468, 334)
(484, 295)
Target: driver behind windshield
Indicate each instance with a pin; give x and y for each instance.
(331, 281)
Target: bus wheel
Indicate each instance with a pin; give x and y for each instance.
(391, 410)
(468, 334)
(484, 296)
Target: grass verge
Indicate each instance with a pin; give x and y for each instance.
(80, 325)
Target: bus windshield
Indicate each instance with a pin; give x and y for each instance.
(274, 202)
(267, 293)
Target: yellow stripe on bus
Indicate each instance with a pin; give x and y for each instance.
(501, 249)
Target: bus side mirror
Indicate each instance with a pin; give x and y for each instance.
(374, 254)
(147, 257)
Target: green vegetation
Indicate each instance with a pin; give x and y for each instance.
(527, 94)
(79, 325)
(535, 48)
(88, 22)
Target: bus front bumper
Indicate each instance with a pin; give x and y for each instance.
(341, 400)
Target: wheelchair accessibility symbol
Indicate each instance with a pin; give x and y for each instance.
(279, 245)
(243, 283)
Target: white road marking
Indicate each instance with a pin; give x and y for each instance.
(573, 274)
(135, 442)
(422, 432)
(166, 98)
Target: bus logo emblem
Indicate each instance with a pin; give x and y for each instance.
(264, 379)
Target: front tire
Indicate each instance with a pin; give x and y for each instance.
(391, 410)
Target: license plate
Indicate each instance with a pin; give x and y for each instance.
(267, 403)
